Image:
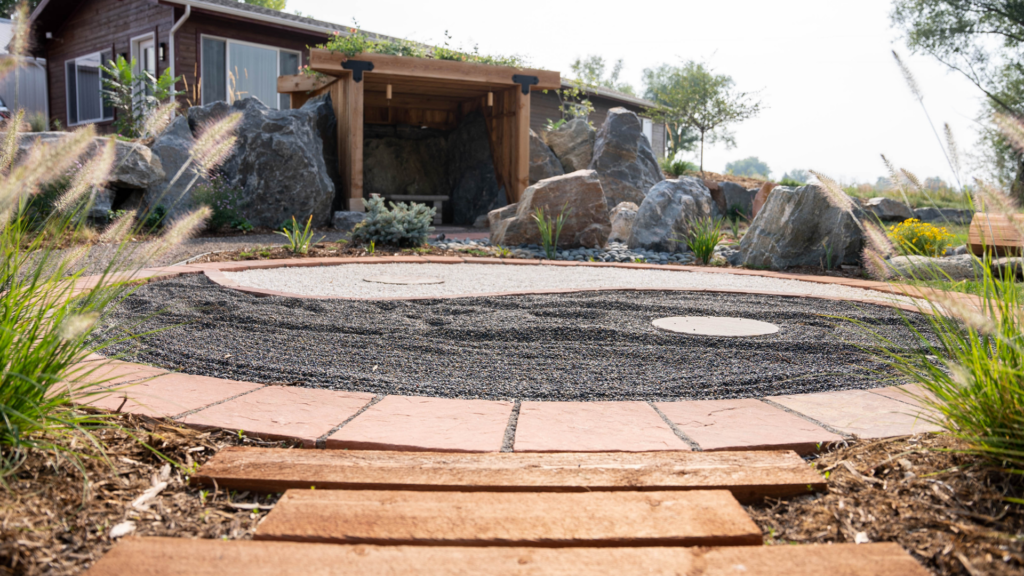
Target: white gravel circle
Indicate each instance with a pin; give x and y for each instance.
(347, 280)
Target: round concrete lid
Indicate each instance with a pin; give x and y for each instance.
(395, 279)
(715, 326)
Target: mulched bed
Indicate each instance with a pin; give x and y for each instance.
(54, 520)
(944, 507)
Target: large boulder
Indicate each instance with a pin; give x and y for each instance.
(327, 127)
(888, 210)
(663, 220)
(135, 165)
(801, 227)
(623, 158)
(944, 215)
(622, 217)
(963, 267)
(579, 194)
(543, 163)
(472, 180)
(739, 198)
(572, 144)
(173, 148)
(277, 162)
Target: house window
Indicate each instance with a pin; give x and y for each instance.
(85, 89)
(233, 70)
(648, 130)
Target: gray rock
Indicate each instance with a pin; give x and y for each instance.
(793, 228)
(623, 158)
(572, 144)
(327, 127)
(944, 215)
(102, 202)
(622, 217)
(482, 221)
(277, 162)
(172, 147)
(394, 163)
(663, 220)
(579, 194)
(345, 221)
(472, 180)
(738, 197)
(961, 249)
(1010, 266)
(494, 217)
(888, 210)
(964, 267)
(543, 163)
(135, 165)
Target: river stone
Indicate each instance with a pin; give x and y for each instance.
(793, 228)
(888, 210)
(944, 215)
(543, 163)
(965, 267)
(277, 162)
(579, 194)
(172, 147)
(622, 218)
(663, 219)
(738, 197)
(623, 158)
(472, 180)
(572, 144)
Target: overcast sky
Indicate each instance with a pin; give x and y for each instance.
(835, 98)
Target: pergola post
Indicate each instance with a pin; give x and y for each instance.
(348, 108)
(520, 176)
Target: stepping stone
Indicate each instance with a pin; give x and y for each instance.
(171, 394)
(750, 476)
(859, 412)
(196, 557)
(427, 424)
(593, 427)
(108, 373)
(283, 413)
(745, 425)
(694, 518)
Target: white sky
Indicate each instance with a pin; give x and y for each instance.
(835, 98)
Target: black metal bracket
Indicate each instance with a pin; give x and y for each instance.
(525, 81)
(357, 67)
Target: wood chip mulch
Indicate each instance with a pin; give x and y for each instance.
(945, 507)
(56, 521)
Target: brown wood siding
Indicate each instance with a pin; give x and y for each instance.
(97, 25)
(543, 107)
(189, 44)
(546, 107)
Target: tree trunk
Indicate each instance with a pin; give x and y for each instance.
(1017, 187)
(702, 155)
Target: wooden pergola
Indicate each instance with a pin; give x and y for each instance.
(379, 89)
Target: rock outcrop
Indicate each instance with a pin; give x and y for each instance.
(572, 144)
(277, 162)
(739, 198)
(622, 217)
(965, 267)
(801, 227)
(888, 210)
(543, 163)
(667, 212)
(944, 215)
(623, 159)
(173, 147)
(472, 180)
(581, 197)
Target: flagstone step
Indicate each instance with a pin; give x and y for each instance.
(750, 476)
(589, 519)
(180, 557)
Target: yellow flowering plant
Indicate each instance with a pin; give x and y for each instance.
(920, 238)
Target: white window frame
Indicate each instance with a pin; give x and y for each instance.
(80, 122)
(227, 63)
(136, 53)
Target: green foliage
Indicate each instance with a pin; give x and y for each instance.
(552, 125)
(299, 239)
(550, 229)
(242, 225)
(155, 218)
(677, 168)
(354, 41)
(271, 4)
(795, 178)
(9, 7)
(402, 225)
(692, 96)
(222, 198)
(40, 206)
(134, 95)
(703, 237)
(39, 122)
(591, 70)
(751, 167)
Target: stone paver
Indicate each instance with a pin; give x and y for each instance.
(432, 424)
(593, 427)
(171, 394)
(110, 373)
(283, 413)
(907, 393)
(746, 424)
(858, 412)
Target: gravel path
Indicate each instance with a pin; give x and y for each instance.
(349, 280)
(583, 346)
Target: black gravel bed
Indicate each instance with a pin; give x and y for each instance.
(586, 346)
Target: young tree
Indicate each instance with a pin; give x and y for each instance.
(693, 96)
(591, 71)
(750, 167)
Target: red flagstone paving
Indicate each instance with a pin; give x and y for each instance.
(428, 424)
(747, 424)
(171, 394)
(859, 412)
(113, 372)
(283, 413)
(593, 427)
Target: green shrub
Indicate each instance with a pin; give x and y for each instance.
(39, 122)
(223, 199)
(787, 181)
(550, 229)
(154, 220)
(677, 168)
(703, 237)
(135, 94)
(403, 225)
(915, 237)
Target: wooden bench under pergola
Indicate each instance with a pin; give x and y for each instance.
(380, 89)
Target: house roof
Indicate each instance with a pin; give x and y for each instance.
(613, 95)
